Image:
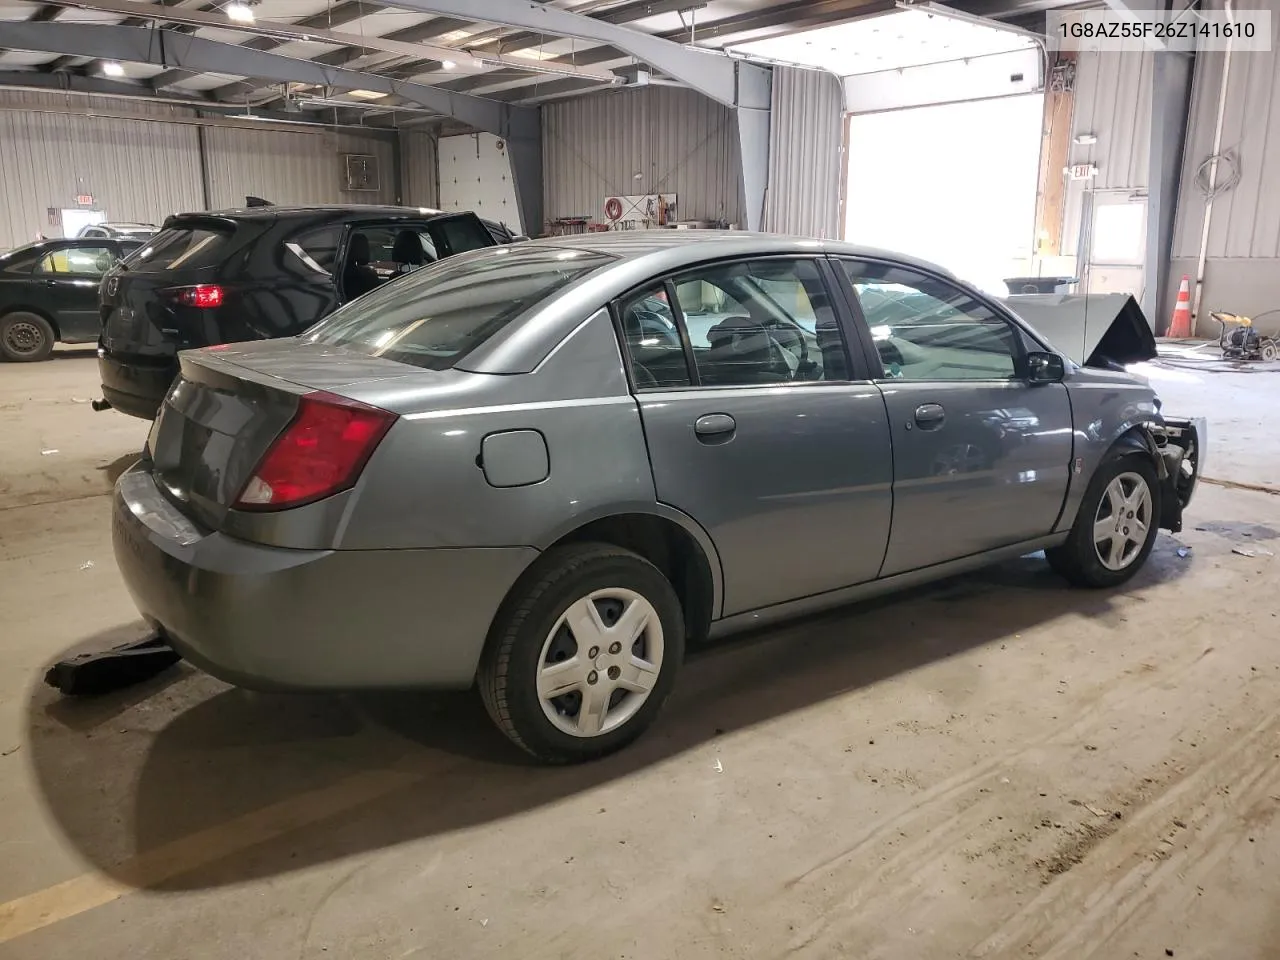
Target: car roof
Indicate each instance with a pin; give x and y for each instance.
(302, 211)
(695, 246)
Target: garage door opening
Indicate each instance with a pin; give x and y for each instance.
(954, 183)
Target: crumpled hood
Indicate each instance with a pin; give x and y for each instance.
(1105, 330)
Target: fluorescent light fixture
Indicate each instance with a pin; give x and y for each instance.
(366, 94)
(239, 12)
(449, 65)
(112, 69)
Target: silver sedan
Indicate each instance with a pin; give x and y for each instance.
(542, 468)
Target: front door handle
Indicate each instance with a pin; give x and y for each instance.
(930, 416)
(714, 427)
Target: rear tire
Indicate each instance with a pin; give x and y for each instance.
(583, 653)
(26, 337)
(1116, 527)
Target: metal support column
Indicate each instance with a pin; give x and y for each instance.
(1170, 102)
(525, 153)
(754, 99)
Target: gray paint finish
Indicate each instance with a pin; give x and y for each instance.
(795, 494)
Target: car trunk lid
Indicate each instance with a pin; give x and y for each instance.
(230, 403)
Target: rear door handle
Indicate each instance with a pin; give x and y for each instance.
(714, 426)
(930, 416)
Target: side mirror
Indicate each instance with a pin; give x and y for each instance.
(1044, 367)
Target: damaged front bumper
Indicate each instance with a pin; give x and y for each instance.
(1179, 447)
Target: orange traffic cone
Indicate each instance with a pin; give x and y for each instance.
(1180, 326)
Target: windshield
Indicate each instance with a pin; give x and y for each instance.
(437, 315)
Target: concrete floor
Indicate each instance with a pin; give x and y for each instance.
(996, 767)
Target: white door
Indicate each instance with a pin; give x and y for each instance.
(1115, 242)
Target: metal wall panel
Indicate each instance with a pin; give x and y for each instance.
(290, 167)
(805, 154)
(50, 152)
(676, 140)
(1242, 259)
(419, 166)
(1112, 102)
(1246, 219)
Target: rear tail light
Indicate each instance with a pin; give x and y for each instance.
(320, 453)
(206, 296)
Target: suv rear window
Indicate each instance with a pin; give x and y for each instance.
(181, 248)
(437, 315)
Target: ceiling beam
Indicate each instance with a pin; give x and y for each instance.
(167, 48)
(712, 74)
(291, 31)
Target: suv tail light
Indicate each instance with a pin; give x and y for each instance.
(320, 453)
(206, 296)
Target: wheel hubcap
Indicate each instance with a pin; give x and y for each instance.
(600, 662)
(1123, 521)
(24, 337)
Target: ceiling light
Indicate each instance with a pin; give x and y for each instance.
(449, 65)
(366, 94)
(239, 12)
(112, 69)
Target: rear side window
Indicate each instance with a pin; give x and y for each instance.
(439, 314)
(182, 248)
(316, 251)
(458, 235)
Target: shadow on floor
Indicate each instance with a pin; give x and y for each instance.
(190, 784)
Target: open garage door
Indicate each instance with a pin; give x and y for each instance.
(953, 183)
(944, 112)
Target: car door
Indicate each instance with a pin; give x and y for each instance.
(981, 457)
(68, 279)
(759, 427)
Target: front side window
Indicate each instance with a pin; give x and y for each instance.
(927, 329)
(81, 260)
(437, 315)
(458, 235)
(760, 322)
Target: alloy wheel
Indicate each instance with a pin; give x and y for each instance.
(1123, 521)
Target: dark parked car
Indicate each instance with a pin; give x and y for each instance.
(49, 294)
(120, 231)
(256, 274)
(539, 468)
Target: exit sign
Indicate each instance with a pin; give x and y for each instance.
(1082, 171)
(85, 200)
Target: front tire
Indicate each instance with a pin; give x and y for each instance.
(1116, 527)
(583, 653)
(26, 337)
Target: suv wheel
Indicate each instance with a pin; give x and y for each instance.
(1116, 526)
(583, 654)
(26, 337)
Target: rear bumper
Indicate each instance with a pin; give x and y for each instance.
(269, 618)
(135, 388)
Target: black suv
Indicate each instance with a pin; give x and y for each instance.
(254, 274)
